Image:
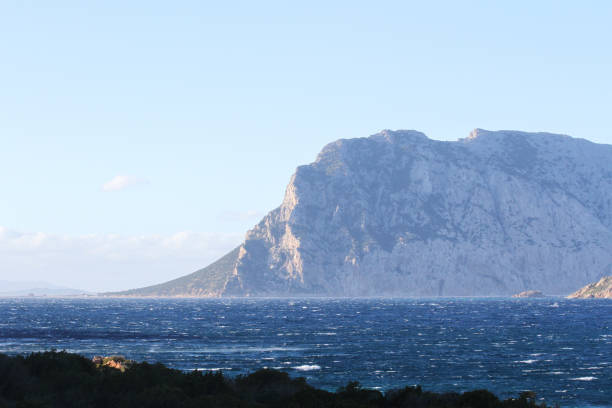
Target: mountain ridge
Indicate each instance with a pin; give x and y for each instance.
(400, 214)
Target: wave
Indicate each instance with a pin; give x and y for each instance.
(307, 367)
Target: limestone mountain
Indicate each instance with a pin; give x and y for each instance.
(399, 214)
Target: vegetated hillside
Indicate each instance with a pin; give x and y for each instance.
(53, 379)
(399, 214)
(601, 289)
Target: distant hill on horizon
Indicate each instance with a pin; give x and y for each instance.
(36, 288)
(398, 214)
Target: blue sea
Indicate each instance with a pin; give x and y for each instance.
(561, 349)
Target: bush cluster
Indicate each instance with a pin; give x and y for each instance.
(61, 379)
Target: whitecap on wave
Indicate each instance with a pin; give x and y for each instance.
(211, 369)
(307, 367)
(583, 378)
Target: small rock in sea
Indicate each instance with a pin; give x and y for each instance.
(529, 294)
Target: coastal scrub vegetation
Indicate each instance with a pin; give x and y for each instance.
(61, 379)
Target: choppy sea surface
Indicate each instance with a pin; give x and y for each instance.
(561, 349)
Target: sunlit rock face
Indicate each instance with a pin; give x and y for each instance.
(398, 214)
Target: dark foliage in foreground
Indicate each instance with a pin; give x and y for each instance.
(60, 379)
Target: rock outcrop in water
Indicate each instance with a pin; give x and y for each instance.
(601, 289)
(399, 214)
(529, 294)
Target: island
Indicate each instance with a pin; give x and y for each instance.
(399, 214)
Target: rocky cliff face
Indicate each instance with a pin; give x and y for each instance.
(399, 214)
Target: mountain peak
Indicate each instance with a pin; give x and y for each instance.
(474, 134)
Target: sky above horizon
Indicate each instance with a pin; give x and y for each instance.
(140, 140)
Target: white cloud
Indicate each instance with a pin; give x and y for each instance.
(101, 262)
(122, 182)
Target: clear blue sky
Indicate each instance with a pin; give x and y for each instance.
(203, 110)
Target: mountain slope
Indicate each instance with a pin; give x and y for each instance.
(399, 214)
(206, 282)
